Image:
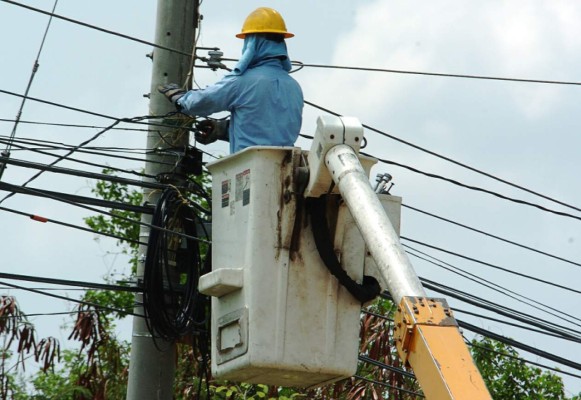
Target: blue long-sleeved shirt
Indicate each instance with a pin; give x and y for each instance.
(265, 102)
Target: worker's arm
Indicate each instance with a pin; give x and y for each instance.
(213, 99)
(202, 102)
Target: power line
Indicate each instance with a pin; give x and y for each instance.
(76, 160)
(387, 385)
(492, 265)
(51, 314)
(397, 370)
(478, 189)
(520, 345)
(134, 120)
(60, 158)
(458, 163)
(301, 65)
(59, 105)
(527, 328)
(491, 235)
(66, 224)
(522, 359)
(491, 285)
(47, 147)
(72, 125)
(445, 75)
(87, 303)
(67, 282)
(298, 63)
(501, 310)
(97, 28)
(116, 205)
(31, 79)
(84, 174)
(505, 340)
(484, 348)
(151, 226)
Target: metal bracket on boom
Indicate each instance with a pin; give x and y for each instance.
(331, 131)
(427, 339)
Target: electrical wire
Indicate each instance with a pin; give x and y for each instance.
(560, 371)
(67, 282)
(444, 75)
(478, 189)
(457, 310)
(42, 219)
(298, 63)
(97, 28)
(72, 125)
(46, 147)
(519, 345)
(450, 160)
(119, 217)
(134, 120)
(60, 158)
(387, 385)
(301, 65)
(498, 288)
(527, 328)
(30, 80)
(492, 235)
(173, 265)
(493, 266)
(52, 314)
(83, 162)
(505, 340)
(484, 348)
(397, 370)
(87, 303)
(84, 174)
(501, 310)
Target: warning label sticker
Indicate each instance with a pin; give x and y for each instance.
(243, 187)
(225, 193)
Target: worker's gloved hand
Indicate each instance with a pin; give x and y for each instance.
(172, 91)
(208, 131)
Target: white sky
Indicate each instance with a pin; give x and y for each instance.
(523, 132)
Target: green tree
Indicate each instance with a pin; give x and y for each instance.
(509, 378)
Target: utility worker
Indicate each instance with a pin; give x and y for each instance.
(264, 101)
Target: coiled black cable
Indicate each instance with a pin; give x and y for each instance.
(173, 266)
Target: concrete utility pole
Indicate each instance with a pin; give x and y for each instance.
(152, 368)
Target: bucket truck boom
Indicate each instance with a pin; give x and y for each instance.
(427, 335)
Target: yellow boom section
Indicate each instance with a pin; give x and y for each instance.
(428, 340)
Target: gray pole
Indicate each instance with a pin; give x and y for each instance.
(376, 229)
(152, 368)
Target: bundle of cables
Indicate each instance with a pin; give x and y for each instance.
(173, 266)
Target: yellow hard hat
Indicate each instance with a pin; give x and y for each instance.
(264, 20)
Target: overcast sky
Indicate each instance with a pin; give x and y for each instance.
(526, 133)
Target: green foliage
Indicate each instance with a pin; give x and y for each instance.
(509, 378)
(121, 301)
(124, 223)
(66, 382)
